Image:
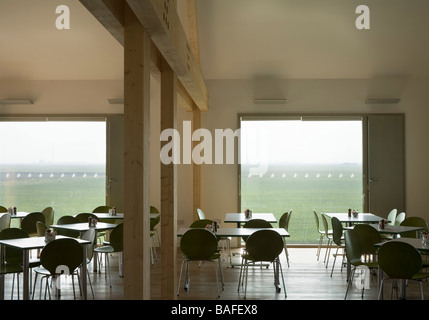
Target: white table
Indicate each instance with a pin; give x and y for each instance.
(31, 243)
(360, 218)
(237, 232)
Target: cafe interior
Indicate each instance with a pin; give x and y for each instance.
(154, 70)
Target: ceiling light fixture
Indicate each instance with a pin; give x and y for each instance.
(269, 101)
(382, 101)
(15, 101)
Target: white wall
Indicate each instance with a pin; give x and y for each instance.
(230, 97)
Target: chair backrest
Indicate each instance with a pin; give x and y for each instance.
(68, 220)
(399, 260)
(353, 246)
(48, 212)
(61, 253)
(153, 209)
(202, 223)
(28, 223)
(316, 218)
(198, 244)
(41, 228)
(84, 216)
(200, 214)
(325, 224)
(369, 236)
(284, 220)
(337, 231)
(5, 221)
(13, 255)
(399, 218)
(90, 235)
(264, 245)
(102, 209)
(413, 222)
(117, 238)
(3, 209)
(256, 223)
(391, 217)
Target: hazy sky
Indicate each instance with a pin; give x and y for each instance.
(301, 141)
(52, 142)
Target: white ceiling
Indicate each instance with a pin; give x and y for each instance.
(301, 39)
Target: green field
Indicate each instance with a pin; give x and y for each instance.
(69, 189)
(302, 188)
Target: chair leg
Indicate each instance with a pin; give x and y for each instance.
(350, 282)
(180, 278)
(381, 289)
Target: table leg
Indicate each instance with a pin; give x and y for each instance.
(2, 257)
(25, 271)
(83, 275)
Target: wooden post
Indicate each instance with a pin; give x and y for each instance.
(137, 67)
(168, 188)
(196, 168)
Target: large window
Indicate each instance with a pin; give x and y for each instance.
(53, 163)
(301, 165)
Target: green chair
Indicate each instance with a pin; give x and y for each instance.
(68, 220)
(3, 209)
(369, 236)
(338, 239)
(59, 257)
(256, 223)
(328, 234)
(41, 228)
(391, 217)
(5, 221)
(284, 223)
(49, 216)
(13, 257)
(84, 216)
(200, 214)
(321, 232)
(400, 261)
(263, 246)
(202, 223)
(399, 218)
(153, 231)
(28, 223)
(102, 209)
(116, 244)
(414, 222)
(199, 245)
(354, 252)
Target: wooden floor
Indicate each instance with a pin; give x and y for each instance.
(306, 279)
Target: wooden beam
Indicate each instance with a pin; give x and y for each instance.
(162, 23)
(136, 159)
(168, 188)
(193, 29)
(110, 14)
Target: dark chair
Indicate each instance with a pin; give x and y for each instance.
(13, 257)
(400, 261)
(284, 223)
(59, 257)
(414, 222)
(201, 223)
(28, 223)
(116, 244)
(68, 220)
(84, 216)
(199, 245)
(338, 239)
(354, 252)
(263, 246)
(153, 231)
(3, 209)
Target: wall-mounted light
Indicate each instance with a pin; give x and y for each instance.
(269, 101)
(382, 101)
(116, 101)
(15, 101)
